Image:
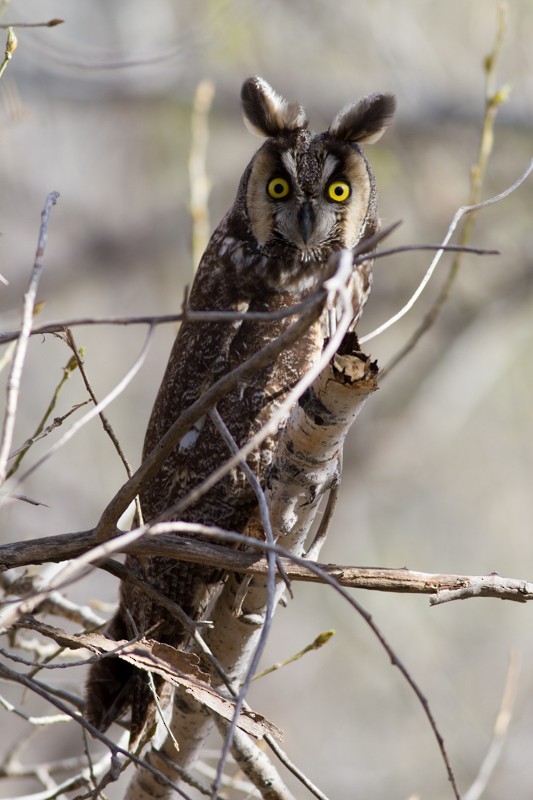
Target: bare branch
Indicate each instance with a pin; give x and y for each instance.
(199, 182)
(95, 411)
(125, 495)
(50, 24)
(501, 727)
(186, 315)
(255, 764)
(15, 375)
(37, 688)
(459, 214)
(159, 540)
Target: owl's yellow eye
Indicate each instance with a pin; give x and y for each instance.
(278, 188)
(338, 191)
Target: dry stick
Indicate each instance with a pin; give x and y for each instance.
(160, 540)
(493, 100)
(13, 385)
(188, 315)
(285, 760)
(95, 411)
(255, 764)
(336, 287)
(194, 720)
(443, 247)
(500, 730)
(50, 24)
(38, 688)
(42, 433)
(270, 603)
(69, 338)
(119, 503)
(199, 182)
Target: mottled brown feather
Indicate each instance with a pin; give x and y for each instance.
(255, 260)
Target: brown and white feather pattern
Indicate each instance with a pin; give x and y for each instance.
(303, 197)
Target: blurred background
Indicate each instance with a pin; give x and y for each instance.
(438, 469)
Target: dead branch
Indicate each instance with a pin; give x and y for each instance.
(160, 540)
(459, 214)
(499, 734)
(19, 356)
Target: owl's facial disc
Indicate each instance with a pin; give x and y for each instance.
(306, 198)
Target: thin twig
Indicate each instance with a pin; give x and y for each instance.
(69, 338)
(499, 734)
(449, 248)
(56, 423)
(453, 225)
(13, 385)
(94, 412)
(11, 46)
(271, 591)
(38, 433)
(337, 288)
(50, 24)
(162, 319)
(208, 399)
(199, 182)
(38, 688)
(285, 760)
(493, 101)
(318, 642)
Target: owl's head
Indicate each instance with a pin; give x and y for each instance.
(306, 195)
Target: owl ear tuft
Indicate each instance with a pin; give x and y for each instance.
(267, 113)
(365, 121)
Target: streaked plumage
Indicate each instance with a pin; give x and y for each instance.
(302, 197)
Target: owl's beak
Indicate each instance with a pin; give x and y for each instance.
(306, 221)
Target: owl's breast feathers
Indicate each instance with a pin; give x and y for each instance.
(202, 353)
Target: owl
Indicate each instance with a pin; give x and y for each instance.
(302, 197)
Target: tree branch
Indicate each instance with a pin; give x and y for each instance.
(160, 540)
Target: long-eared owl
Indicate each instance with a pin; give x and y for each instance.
(302, 197)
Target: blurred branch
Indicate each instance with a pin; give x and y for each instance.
(493, 101)
(11, 46)
(199, 182)
(501, 726)
(78, 356)
(316, 644)
(40, 431)
(225, 316)
(13, 384)
(115, 750)
(95, 411)
(50, 24)
(425, 280)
